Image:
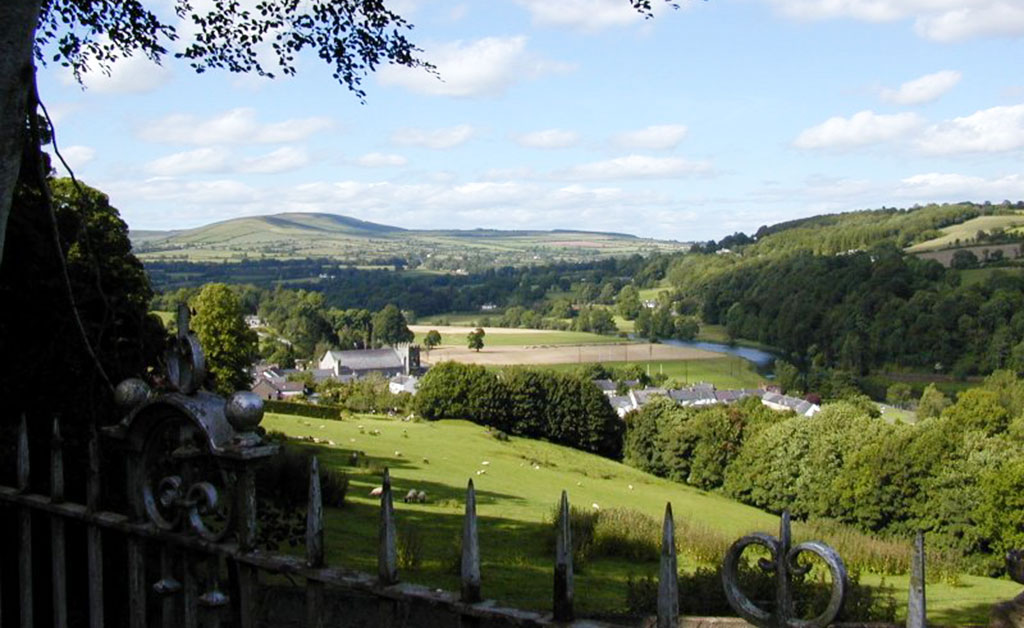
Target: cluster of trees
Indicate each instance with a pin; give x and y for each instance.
(69, 338)
(303, 325)
(560, 407)
(958, 473)
(528, 288)
(868, 309)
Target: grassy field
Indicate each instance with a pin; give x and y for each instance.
(967, 231)
(974, 276)
(724, 373)
(516, 494)
(498, 336)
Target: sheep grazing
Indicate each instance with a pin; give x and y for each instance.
(595, 506)
(377, 492)
(415, 497)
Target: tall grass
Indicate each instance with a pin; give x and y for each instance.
(632, 535)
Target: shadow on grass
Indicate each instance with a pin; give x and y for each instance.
(974, 615)
(516, 565)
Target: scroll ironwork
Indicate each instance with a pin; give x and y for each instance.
(784, 564)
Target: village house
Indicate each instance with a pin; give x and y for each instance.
(704, 394)
(402, 359)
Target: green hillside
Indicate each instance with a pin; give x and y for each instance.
(309, 235)
(518, 483)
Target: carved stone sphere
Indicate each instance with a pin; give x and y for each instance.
(244, 410)
(131, 393)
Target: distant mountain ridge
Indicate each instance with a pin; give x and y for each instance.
(297, 235)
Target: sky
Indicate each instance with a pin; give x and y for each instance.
(721, 116)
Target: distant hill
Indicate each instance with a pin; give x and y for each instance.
(358, 242)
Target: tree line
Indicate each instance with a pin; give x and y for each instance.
(957, 474)
(563, 408)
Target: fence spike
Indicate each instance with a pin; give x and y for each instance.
(668, 578)
(916, 610)
(94, 538)
(315, 518)
(470, 550)
(387, 551)
(58, 548)
(563, 603)
(56, 464)
(23, 457)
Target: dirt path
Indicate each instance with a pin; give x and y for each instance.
(565, 354)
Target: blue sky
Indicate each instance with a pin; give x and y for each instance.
(719, 117)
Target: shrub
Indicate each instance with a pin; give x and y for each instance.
(282, 492)
(409, 548)
(322, 411)
(626, 533)
(582, 523)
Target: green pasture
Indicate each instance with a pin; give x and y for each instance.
(496, 338)
(725, 373)
(967, 231)
(518, 482)
(974, 276)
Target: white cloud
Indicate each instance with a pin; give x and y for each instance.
(128, 75)
(987, 131)
(937, 20)
(925, 89)
(863, 128)
(935, 186)
(237, 126)
(485, 67)
(77, 155)
(283, 159)
(987, 19)
(449, 137)
(381, 160)
(585, 15)
(201, 160)
(217, 159)
(636, 167)
(548, 138)
(658, 137)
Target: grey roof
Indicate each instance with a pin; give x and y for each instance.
(320, 375)
(687, 396)
(369, 359)
(644, 395)
(729, 396)
(621, 401)
(606, 385)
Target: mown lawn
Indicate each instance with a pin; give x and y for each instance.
(520, 485)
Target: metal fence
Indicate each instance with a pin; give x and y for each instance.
(190, 534)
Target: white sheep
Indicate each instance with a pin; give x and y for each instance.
(377, 492)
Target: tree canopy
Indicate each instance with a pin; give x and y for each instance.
(228, 343)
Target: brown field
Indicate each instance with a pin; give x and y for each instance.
(566, 354)
(945, 256)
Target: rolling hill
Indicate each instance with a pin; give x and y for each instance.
(345, 239)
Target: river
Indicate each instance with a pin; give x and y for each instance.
(763, 360)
